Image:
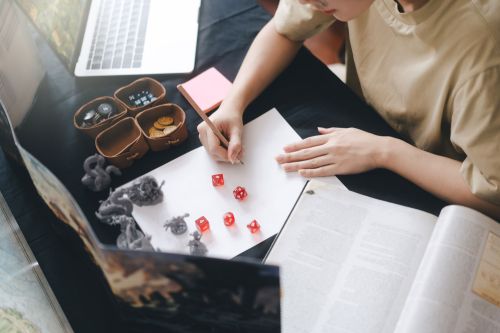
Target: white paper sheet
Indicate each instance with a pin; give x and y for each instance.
(188, 189)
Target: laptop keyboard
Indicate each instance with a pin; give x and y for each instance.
(120, 34)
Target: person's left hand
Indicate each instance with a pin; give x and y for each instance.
(336, 151)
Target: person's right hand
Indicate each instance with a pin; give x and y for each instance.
(228, 120)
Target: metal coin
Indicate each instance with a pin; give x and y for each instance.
(159, 126)
(165, 121)
(97, 118)
(169, 129)
(154, 133)
(105, 109)
(89, 115)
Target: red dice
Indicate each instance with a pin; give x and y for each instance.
(229, 219)
(218, 179)
(253, 226)
(202, 224)
(240, 193)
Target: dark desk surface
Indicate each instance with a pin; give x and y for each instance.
(307, 94)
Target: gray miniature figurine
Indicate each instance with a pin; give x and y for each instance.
(116, 204)
(177, 224)
(98, 178)
(196, 247)
(146, 192)
(130, 237)
(117, 210)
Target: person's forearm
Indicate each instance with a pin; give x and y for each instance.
(436, 174)
(269, 54)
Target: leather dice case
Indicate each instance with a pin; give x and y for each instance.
(145, 83)
(92, 131)
(122, 143)
(146, 118)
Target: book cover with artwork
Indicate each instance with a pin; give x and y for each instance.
(161, 291)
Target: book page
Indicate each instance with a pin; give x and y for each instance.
(347, 261)
(457, 288)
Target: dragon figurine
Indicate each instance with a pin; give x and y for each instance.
(117, 210)
(116, 205)
(146, 192)
(98, 178)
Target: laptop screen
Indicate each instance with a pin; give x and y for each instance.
(61, 22)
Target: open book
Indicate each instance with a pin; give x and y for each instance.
(350, 263)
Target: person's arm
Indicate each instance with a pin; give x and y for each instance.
(341, 151)
(436, 174)
(269, 54)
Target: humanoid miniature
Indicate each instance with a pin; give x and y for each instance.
(98, 178)
(130, 237)
(196, 247)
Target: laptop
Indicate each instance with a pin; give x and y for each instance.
(119, 37)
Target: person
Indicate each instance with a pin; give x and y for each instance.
(430, 68)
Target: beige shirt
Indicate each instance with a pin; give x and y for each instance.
(433, 75)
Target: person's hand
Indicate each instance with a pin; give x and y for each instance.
(228, 120)
(335, 151)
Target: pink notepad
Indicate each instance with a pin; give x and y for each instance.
(206, 90)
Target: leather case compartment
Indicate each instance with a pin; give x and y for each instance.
(122, 143)
(94, 130)
(145, 83)
(147, 118)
